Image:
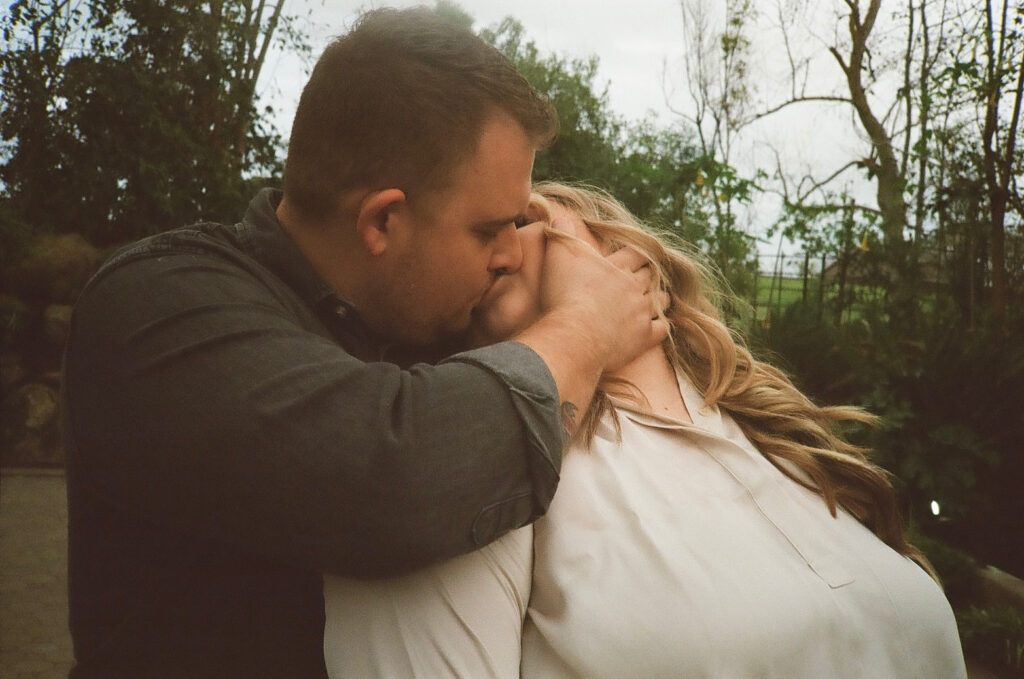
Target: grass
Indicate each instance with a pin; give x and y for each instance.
(786, 290)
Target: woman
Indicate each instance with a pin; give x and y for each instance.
(709, 523)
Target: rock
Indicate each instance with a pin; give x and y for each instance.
(15, 320)
(12, 373)
(54, 268)
(57, 323)
(30, 435)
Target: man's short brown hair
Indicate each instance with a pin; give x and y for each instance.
(400, 101)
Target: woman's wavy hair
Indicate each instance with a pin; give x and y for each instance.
(784, 424)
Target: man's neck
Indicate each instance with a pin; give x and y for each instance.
(327, 249)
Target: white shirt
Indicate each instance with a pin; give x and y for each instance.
(681, 552)
(459, 619)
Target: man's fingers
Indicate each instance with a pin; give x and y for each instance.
(659, 331)
(569, 224)
(660, 302)
(629, 260)
(643, 276)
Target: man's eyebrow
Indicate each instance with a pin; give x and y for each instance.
(502, 221)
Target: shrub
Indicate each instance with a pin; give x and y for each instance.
(995, 637)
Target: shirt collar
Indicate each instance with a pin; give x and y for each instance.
(267, 241)
(705, 417)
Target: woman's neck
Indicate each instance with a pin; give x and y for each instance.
(654, 376)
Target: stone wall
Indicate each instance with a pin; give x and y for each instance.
(37, 292)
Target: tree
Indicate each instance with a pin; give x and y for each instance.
(1004, 65)
(933, 91)
(948, 92)
(120, 119)
(717, 79)
(881, 163)
(660, 174)
(587, 147)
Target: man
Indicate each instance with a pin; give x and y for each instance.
(243, 410)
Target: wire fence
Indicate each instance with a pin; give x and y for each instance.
(839, 286)
(783, 279)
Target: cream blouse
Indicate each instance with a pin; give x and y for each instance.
(679, 552)
(682, 552)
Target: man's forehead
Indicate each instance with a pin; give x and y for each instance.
(503, 203)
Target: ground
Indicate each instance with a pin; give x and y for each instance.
(34, 639)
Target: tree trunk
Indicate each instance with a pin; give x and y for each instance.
(890, 182)
(998, 166)
(925, 146)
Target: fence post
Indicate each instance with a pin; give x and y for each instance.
(821, 288)
(807, 261)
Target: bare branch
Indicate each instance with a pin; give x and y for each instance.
(907, 61)
(828, 207)
(925, 119)
(818, 184)
(842, 64)
(869, 20)
(1016, 201)
(1011, 140)
(789, 52)
(800, 100)
(268, 35)
(780, 174)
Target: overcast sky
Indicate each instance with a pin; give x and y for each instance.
(632, 39)
(640, 47)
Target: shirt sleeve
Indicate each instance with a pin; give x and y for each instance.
(458, 619)
(199, 401)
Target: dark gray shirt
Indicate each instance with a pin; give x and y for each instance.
(233, 429)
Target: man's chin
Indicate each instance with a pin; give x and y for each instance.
(451, 343)
(478, 333)
(470, 338)
(473, 336)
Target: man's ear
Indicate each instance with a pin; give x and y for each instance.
(375, 221)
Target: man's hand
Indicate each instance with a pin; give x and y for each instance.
(597, 312)
(604, 296)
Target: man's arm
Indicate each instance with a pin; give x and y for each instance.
(199, 404)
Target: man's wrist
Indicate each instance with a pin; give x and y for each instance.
(572, 355)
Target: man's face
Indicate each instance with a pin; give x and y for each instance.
(461, 240)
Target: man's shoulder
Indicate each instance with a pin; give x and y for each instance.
(255, 247)
(218, 240)
(208, 246)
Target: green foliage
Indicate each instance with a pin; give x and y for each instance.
(452, 12)
(120, 119)
(588, 142)
(957, 571)
(659, 173)
(995, 636)
(950, 402)
(811, 349)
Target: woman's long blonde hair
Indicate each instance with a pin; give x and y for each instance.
(775, 416)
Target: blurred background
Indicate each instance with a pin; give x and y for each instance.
(851, 168)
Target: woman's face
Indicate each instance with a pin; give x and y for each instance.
(514, 302)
